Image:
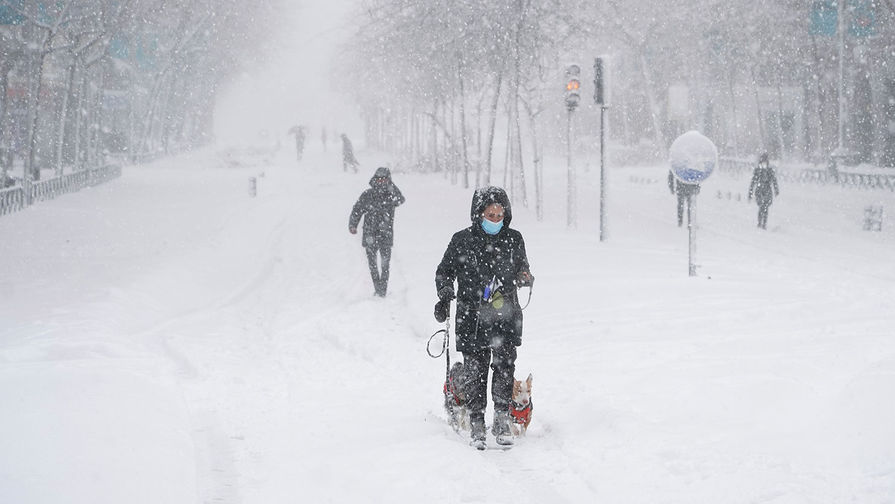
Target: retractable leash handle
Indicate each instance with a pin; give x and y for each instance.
(447, 347)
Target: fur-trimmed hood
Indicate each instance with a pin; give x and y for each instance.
(485, 196)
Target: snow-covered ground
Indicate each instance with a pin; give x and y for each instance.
(165, 338)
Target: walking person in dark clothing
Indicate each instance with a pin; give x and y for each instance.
(764, 188)
(488, 262)
(348, 158)
(299, 132)
(684, 193)
(377, 206)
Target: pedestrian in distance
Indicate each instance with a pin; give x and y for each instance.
(377, 207)
(764, 187)
(348, 158)
(487, 260)
(299, 132)
(684, 193)
(323, 137)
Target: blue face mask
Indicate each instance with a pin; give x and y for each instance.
(492, 228)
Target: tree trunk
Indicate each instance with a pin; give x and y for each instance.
(489, 149)
(761, 131)
(35, 89)
(463, 124)
(733, 110)
(780, 137)
(478, 140)
(508, 154)
(520, 159)
(78, 118)
(5, 133)
(435, 165)
(538, 168)
(96, 125)
(63, 114)
(515, 104)
(653, 104)
(151, 105)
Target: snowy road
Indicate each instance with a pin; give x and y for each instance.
(166, 338)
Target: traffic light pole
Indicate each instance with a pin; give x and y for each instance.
(603, 173)
(570, 193)
(600, 96)
(573, 86)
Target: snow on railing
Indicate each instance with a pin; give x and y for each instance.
(16, 198)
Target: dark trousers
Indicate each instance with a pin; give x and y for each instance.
(502, 360)
(763, 215)
(380, 277)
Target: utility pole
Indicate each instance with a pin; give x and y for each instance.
(601, 101)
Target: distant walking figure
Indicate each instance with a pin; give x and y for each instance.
(764, 188)
(684, 193)
(377, 206)
(323, 138)
(348, 158)
(299, 132)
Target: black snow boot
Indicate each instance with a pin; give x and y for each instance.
(477, 426)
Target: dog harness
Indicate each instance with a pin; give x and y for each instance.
(449, 389)
(521, 414)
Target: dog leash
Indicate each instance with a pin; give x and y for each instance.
(445, 347)
(530, 288)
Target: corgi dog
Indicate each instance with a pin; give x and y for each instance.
(521, 406)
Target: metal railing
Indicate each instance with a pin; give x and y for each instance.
(738, 167)
(12, 199)
(16, 198)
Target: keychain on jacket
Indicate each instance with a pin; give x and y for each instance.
(492, 293)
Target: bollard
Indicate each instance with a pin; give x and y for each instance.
(873, 218)
(253, 187)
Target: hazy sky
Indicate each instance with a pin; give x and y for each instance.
(292, 87)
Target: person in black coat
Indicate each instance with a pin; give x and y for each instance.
(684, 193)
(488, 262)
(377, 206)
(764, 188)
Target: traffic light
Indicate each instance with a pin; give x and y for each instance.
(600, 81)
(573, 86)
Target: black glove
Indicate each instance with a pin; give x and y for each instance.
(525, 279)
(442, 310)
(446, 293)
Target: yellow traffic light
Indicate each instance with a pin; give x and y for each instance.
(573, 85)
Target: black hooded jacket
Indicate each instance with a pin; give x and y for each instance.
(377, 206)
(764, 185)
(474, 258)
